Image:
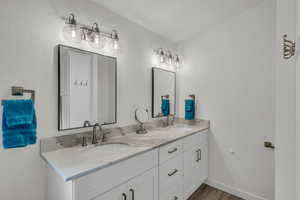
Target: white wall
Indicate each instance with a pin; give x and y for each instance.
(30, 30)
(231, 69)
(285, 104)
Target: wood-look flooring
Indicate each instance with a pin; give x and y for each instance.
(206, 192)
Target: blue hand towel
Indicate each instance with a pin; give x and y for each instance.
(20, 129)
(18, 112)
(189, 109)
(165, 107)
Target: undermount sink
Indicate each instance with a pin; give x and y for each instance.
(105, 149)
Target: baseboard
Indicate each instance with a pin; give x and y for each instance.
(234, 191)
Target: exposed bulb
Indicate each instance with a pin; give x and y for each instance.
(73, 34)
(97, 40)
(162, 59)
(116, 45)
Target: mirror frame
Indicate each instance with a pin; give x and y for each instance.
(59, 84)
(153, 71)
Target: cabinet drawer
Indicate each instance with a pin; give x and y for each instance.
(170, 151)
(193, 141)
(94, 184)
(171, 173)
(172, 193)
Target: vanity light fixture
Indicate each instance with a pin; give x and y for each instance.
(167, 58)
(98, 39)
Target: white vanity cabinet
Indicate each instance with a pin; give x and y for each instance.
(170, 172)
(195, 158)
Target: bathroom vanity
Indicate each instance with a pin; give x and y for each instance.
(164, 164)
(161, 163)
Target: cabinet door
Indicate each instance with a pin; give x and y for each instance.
(192, 171)
(118, 193)
(143, 187)
(195, 162)
(203, 163)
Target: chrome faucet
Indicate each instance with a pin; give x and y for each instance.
(94, 139)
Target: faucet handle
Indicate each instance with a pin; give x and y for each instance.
(84, 142)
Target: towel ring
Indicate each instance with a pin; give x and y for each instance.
(19, 91)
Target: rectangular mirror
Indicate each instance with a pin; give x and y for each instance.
(87, 88)
(163, 92)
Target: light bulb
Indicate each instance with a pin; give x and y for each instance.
(162, 59)
(73, 34)
(116, 45)
(97, 39)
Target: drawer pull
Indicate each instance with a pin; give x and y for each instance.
(124, 196)
(199, 155)
(172, 151)
(173, 173)
(132, 193)
(175, 198)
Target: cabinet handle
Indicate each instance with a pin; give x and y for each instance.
(172, 173)
(199, 155)
(124, 196)
(132, 193)
(172, 151)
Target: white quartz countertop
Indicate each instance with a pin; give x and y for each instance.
(74, 162)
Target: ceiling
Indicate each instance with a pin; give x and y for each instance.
(178, 19)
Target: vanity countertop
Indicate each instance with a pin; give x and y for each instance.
(74, 162)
